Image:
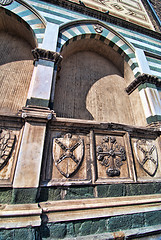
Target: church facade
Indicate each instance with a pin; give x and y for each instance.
(80, 113)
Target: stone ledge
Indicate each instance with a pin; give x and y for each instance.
(70, 210)
(19, 215)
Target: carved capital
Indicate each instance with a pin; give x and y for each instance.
(141, 79)
(39, 53)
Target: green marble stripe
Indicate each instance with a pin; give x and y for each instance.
(34, 21)
(39, 30)
(53, 21)
(154, 60)
(124, 47)
(115, 39)
(105, 33)
(151, 119)
(13, 6)
(141, 40)
(80, 29)
(156, 69)
(91, 29)
(71, 32)
(38, 102)
(147, 49)
(146, 85)
(24, 13)
(133, 66)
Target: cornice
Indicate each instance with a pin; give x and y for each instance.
(104, 17)
(141, 79)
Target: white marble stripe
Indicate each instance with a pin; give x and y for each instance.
(52, 16)
(143, 44)
(146, 107)
(37, 26)
(19, 9)
(86, 29)
(120, 43)
(40, 35)
(30, 17)
(154, 64)
(55, 9)
(156, 73)
(135, 35)
(136, 70)
(76, 31)
(110, 36)
(67, 34)
(131, 61)
(128, 51)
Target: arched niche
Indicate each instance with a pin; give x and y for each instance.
(91, 84)
(16, 62)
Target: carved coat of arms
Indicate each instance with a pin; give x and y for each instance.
(68, 153)
(147, 156)
(7, 143)
(111, 155)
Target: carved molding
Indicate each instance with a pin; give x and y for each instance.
(35, 112)
(141, 79)
(39, 53)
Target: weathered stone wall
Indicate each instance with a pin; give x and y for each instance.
(90, 86)
(16, 67)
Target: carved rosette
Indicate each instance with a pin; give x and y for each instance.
(68, 153)
(39, 53)
(147, 156)
(111, 155)
(7, 144)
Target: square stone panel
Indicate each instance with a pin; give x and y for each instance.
(146, 153)
(111, 158)
(69, 157)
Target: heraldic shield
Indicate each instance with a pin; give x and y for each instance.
(68, 153)
(7, 143)
(147, 156)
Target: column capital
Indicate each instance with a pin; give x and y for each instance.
(141, 79)
(43, 54)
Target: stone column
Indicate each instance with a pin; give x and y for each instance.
(36, 114)
(44, 60)
(147, 86)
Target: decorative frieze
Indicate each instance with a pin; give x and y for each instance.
(107, 153)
